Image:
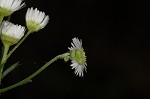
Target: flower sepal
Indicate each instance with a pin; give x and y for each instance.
(8, 40)
(5, 12)
(33, 26)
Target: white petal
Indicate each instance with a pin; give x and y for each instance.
(15, 31)
(12, 5)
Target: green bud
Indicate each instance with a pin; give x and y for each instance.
(66, 59)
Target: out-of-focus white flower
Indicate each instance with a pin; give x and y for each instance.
(11, 33)
(78, 57)
(35, 19)
(7, 7)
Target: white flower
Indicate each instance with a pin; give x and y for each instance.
(36, 19)
(77, 56)
(9, 6)
(11, 33)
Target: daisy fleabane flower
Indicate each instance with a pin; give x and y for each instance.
(78, 57)
(35, 19)
(11, 33)
(7, 7)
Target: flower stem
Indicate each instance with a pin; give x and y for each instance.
(4, 58)
(1, 19)
(28, 79)
(18, 44)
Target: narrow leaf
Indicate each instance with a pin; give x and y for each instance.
(8, 70)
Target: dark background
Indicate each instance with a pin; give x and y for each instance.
(116, 39)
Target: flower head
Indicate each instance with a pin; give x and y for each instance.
(77, 56)
(11, 33)
(7, 7)
(35, 19)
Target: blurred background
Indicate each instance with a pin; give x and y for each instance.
(116, 39)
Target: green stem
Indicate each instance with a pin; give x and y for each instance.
(6, 48)
(4, 58)
(1, 19)
(18, 44)
(28, 79)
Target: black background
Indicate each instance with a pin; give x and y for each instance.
(116, 39)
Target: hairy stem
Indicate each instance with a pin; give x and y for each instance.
(4, 58)
(28, 79)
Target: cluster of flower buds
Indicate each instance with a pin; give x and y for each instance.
(11, 33)
(36, 20)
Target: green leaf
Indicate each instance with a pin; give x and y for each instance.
(8, 70)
